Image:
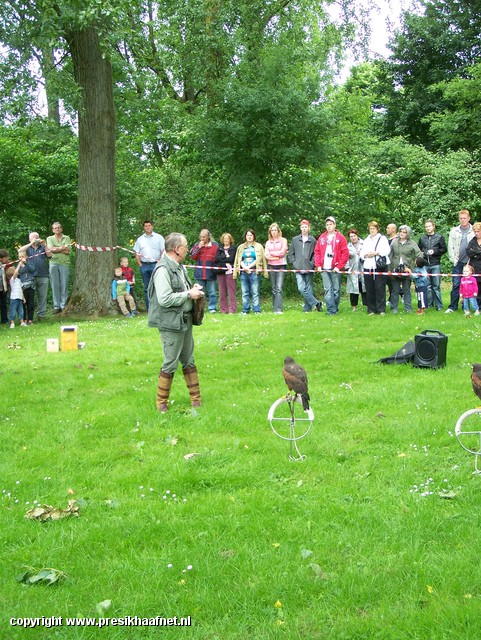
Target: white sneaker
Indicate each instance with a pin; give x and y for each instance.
(12, 325)
(476, 313)
(448, 310)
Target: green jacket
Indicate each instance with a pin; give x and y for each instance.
(408, 251)
(169, 303)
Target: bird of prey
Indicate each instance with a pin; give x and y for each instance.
(476, 379)
(296, 379)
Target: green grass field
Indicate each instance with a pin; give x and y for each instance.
(374, 535)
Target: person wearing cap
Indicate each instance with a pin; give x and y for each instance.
(331, 255)
(301, 256)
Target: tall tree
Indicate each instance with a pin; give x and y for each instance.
(433, 46)
(80, 29)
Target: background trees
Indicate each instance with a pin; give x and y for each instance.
(227, 114)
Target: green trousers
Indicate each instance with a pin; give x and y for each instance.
(178, 346)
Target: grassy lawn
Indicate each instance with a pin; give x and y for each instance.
(358, 541)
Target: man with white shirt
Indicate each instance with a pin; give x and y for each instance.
(331, 255)
(148, 248)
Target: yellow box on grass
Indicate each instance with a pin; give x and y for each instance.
(68, 338)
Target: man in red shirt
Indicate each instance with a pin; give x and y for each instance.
(330, 257)
(204, 253)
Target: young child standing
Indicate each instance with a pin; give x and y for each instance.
(129, 275)
(16, 296)
(121, 293)
(420, 277)
(468, 290)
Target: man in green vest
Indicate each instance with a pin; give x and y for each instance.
(171, 295)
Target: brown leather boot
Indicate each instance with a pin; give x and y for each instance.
(192, 382)
(163, 391)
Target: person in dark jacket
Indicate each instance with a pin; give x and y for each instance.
(224, 261)
(433, 246)
(474, 255)
(301, 256)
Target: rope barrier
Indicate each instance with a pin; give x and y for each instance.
(343, 272)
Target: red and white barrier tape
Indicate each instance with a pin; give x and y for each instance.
(347, 273)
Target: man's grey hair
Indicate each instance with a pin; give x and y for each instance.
(209, 235)
(174, 240)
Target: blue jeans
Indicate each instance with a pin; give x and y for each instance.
(304, 286)
(434, 287)
(250, 286)
(331, 281)
(209, 288)
(146, 271)
(59, 275)
(16, 308)
(276, 277)
(457, 269)
(473, 302)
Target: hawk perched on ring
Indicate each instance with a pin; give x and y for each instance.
(296, 380)
(476, 379)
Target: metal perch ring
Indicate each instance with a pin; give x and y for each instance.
(477, 432)
(278, 416)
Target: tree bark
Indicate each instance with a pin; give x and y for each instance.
(96, 218)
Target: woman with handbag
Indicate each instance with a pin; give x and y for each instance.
(375, 254)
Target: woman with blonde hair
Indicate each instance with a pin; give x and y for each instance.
(276, 250)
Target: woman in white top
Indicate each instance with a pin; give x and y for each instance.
(375, 246)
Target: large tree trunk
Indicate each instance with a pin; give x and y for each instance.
(96, 219)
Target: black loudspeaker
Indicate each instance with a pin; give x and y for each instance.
(430, 349)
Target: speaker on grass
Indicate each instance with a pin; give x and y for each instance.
(430, 349)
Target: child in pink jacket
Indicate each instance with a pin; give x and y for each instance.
(468, 290)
